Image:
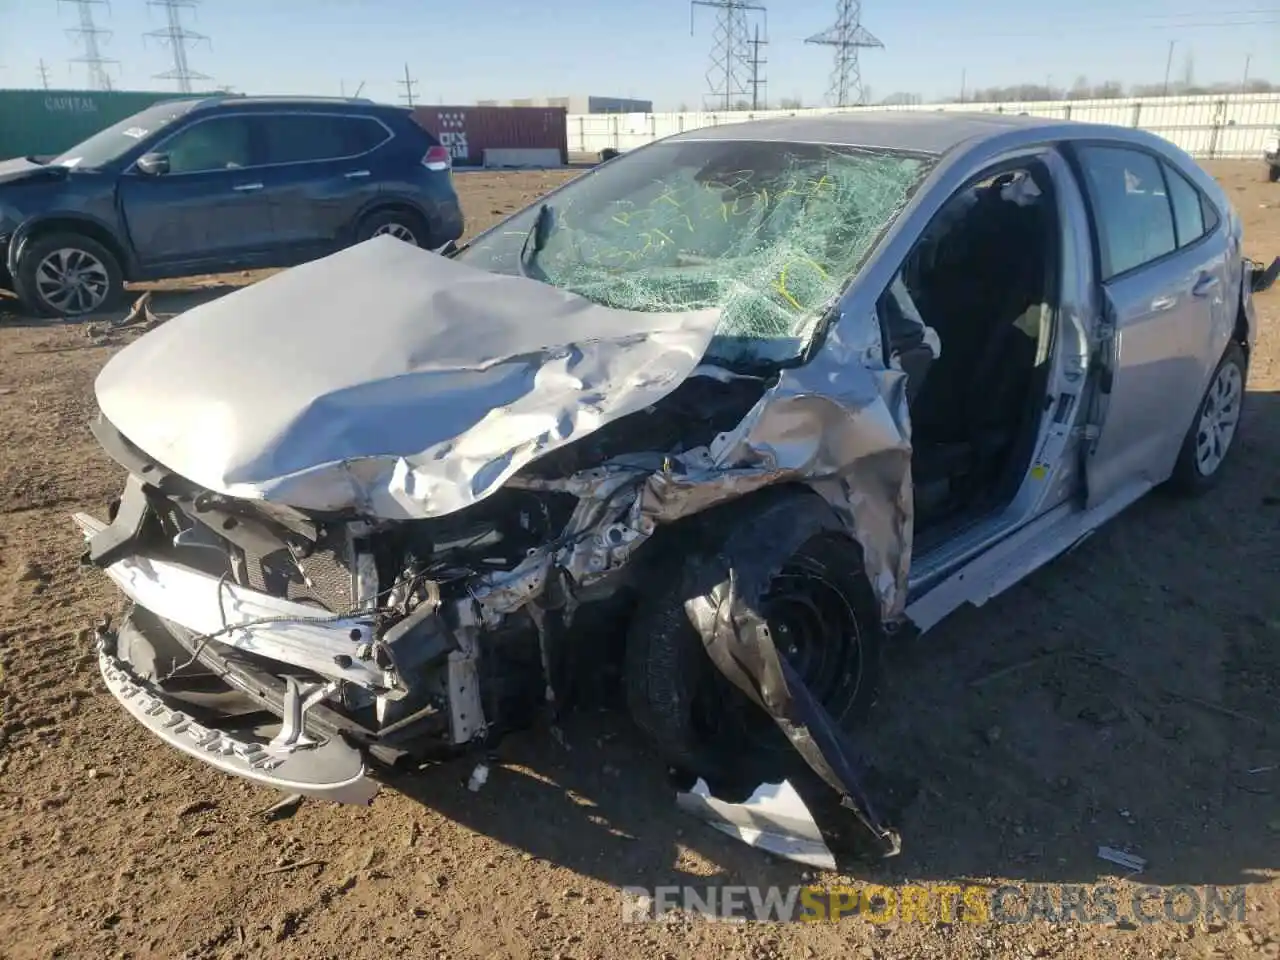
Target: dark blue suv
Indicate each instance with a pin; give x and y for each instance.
(218, 184)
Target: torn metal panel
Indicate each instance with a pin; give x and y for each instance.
(723, 601)
(388, 380)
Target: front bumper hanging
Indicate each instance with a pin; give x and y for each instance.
(255, 623)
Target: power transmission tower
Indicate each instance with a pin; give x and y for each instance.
(44, 74)
(408, 83)
(757, 81)
(847, 36)
(177, 38)
(89, 35)
(730, 69)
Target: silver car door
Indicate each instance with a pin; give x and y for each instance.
(1154, 334)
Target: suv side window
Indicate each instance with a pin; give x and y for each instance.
(1188, 210)
(1131, 206)
(219, 143)
(302, 137)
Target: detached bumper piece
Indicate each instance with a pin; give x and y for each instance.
(1263, 278)
(328, 771)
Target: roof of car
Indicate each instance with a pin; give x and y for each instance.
(238, 100)
(918, 131)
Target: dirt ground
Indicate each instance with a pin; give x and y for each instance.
(1141, 714)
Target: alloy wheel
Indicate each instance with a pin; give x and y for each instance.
(397, 230)
(72, 281)
(1218, 419)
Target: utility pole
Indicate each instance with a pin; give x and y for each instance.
(756, 64)
(730, 62)
(408, 83)
(44, 74)
(1168, 65)
(1244, 84)
(964, 74)
(90, 38)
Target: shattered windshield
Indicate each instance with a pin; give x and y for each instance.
(113, 142)
(769, 233)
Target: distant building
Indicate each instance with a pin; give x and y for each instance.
(581, 104)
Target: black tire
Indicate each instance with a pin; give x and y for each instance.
(103, 280)
(608, 153)
(1273, 173)
(698, 721)
(1190, 476)
(402, 223)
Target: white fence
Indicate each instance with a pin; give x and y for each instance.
(1211, 126)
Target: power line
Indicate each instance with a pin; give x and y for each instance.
(177, 38)
(730, 71)
(848, 36)
(90, 36)
(408, 83)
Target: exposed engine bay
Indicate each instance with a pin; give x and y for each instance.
(429, 534)
(429, 586)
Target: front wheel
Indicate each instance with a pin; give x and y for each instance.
(823, 620)
(1273, 173)
(1213, 431)
(68, 275)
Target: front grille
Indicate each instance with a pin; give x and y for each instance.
(329, 575)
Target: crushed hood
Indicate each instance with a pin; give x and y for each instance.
(21, 170)
(388, 380)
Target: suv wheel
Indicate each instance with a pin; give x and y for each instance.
(68, 275)
(402, 224)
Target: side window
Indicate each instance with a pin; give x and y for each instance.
(1135, 219)
(1188, 213)
(222, 143)
(300, 137)
(362, 134)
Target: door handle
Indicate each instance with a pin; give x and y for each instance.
(1167, 302)
(356, 173)
(1207, 283)
(246, 187)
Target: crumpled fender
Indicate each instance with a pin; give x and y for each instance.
(725, 591)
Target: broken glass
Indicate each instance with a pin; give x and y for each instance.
(767, 233)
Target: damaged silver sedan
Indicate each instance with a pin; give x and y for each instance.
(718, 417)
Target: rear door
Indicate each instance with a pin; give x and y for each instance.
(206, 209)
(319, 175)
(1163, 284)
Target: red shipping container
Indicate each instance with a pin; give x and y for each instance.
(468, 131)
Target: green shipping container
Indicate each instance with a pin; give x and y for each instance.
(36, 122)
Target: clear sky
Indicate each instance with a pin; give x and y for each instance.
(478, 49)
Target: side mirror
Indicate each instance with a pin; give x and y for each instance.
(153, 164)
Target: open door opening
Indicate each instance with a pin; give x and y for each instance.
(984, 280)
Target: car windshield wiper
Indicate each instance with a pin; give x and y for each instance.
(534, 241)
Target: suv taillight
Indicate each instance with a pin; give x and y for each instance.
(437, 159)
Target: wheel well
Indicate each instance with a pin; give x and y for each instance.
(88, 228)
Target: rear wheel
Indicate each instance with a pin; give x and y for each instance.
(68, 275)
(1273, 174)
(402, 224)
(1213, 431)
